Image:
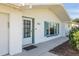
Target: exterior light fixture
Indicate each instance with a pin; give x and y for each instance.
(23, 4)
(30, 6)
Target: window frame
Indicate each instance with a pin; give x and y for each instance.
(54, 25)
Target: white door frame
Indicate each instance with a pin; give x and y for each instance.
(7, 29)
(32, 19)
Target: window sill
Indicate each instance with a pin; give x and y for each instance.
(51, 35)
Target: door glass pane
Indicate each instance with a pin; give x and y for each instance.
(27, 28)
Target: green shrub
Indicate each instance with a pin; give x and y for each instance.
(74, 38)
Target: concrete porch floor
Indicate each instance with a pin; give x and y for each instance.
(43, 48)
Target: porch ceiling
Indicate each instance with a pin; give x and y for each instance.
(57, 9)
(61, 13)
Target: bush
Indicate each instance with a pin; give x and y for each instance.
(74, 38)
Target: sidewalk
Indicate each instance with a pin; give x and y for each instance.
(43, 48)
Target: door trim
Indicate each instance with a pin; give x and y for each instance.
(33, 31)
(33, 26)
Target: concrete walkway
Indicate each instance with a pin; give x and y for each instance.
(43, 48)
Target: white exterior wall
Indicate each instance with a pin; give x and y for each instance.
(67, 29)
(15, 30)
(40, 16)
(16, 26)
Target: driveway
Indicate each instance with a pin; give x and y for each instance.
(43, 48)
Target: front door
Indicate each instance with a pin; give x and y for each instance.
(27, 24)
(3, 34)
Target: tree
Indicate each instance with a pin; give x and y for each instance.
(76, 20)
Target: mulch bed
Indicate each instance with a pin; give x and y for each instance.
(65, 50)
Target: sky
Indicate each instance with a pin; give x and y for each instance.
(72, 9)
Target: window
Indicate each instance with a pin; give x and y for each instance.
(46, 25)
(57, 28)
(27, 28)
(51, 29)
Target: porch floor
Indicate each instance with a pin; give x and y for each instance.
(43, 48)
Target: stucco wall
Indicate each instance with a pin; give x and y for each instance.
(16, 26)
(40, 16)
(15, 30)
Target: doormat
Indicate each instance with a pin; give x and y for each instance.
(30, 47)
